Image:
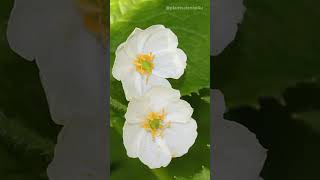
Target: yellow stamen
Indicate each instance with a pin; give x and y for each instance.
(144, 64)
(154, 123)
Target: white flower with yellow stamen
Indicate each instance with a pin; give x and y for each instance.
(146, 59)
(159, 127)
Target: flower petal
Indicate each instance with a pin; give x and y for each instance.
(132, 83)
(180, 137)
(178, 111)
(160, 97)
(136, 85)
(33, 24)
(235, 148)
(137, 110)
(134, 43)
(153, 152)
(73, 77)
(21, 26)
(154, 81)
(158, 39)
(132, 135)
(170, 64)
(227, 14)
(79, 152)
(122, 64)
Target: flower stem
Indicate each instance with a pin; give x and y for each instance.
(161, 174)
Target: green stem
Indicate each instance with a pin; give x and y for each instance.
(161, 174)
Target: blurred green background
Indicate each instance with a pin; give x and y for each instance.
(269, 76)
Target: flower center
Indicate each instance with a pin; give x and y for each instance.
(144, 64)
(94, 13)
(154, 123)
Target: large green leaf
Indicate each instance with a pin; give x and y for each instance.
(311, 118)
(276, 46)
(204, 174)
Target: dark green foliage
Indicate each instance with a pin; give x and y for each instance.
(293, 142)
(27, 134)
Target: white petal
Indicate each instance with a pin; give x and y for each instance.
(158, 39)
(72, 69)
(219, 104)
(154, 28)
(227, 14)
(132, 85)
(137, 110)
(154, 81)
(35, 25)
(136, 85)
(160, 97)
(73, 77)
(23, 32)
(122, 64)
(236, 151)
(20, 33)
(170, 64)
(134, 43)
(132, 135)
(180, 137)
(153, 152)
(80, 151)
(178, 111)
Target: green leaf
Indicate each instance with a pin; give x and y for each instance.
(24, 138)
(206, 99)
(194, 36)
(116, 121)
(119, 8)
(204, 174)
(117, 105)
(274, 48)
(311, 119)
(117, 111)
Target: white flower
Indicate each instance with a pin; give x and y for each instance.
(70, 59)
(72, 68)
(227, 14)
(237, 153)
(159, 127)
(146, 59)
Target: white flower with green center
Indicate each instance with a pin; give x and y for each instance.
(159, 127)
(146, 59)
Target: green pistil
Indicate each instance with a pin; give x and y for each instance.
(155, 123)
(146, 65)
